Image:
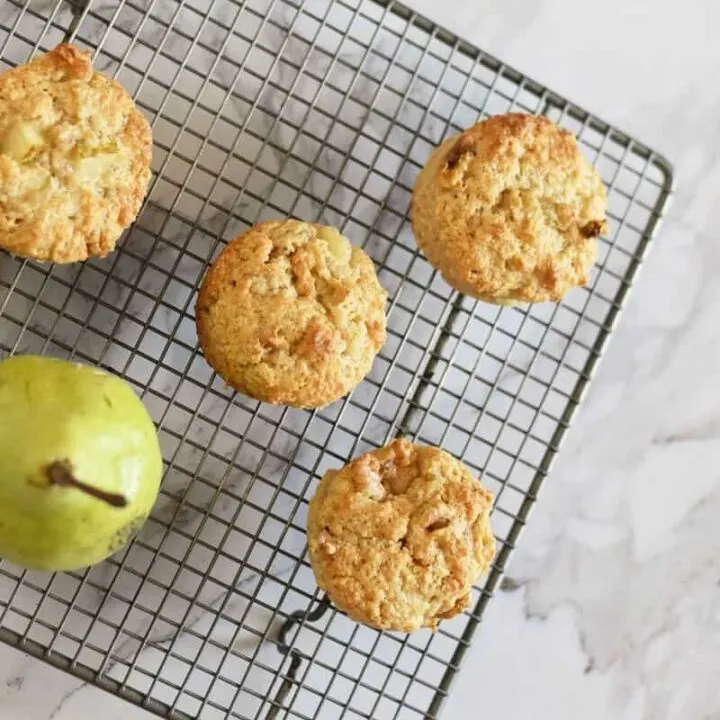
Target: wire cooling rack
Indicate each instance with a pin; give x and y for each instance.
(322, 110)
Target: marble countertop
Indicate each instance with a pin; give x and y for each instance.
(611, 604)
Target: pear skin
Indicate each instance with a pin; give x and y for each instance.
(80, 463)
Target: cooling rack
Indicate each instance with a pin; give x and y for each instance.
(321, 110)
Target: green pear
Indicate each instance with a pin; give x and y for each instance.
(80, 463)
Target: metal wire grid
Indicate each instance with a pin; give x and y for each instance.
(321, 110)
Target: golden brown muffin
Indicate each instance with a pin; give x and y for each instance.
(291, 313)
(509, 211)
(74, 158)
(397, 537)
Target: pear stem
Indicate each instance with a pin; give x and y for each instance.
(60, 473)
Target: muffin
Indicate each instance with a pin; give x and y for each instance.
(397, 537)
(509, 211)
(74, 158)
(291, 313)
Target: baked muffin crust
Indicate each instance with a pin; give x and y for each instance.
(509, 211)
(291, 313)
(399, 535)
(75, 158)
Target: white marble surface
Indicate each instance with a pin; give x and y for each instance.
(611, 609)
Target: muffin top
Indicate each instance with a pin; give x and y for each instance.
(291, 313)
(509, 210)
(398, 536)
(75, 158)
